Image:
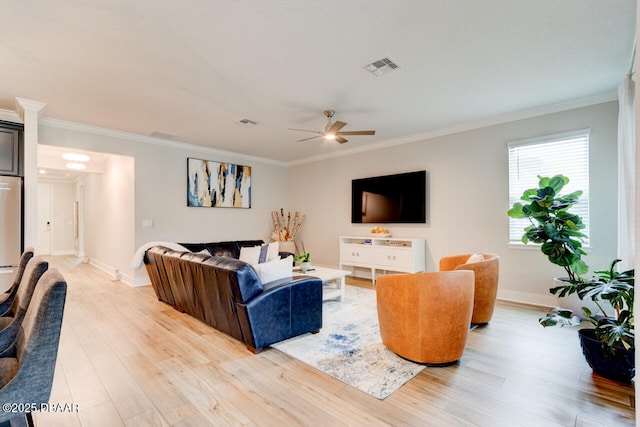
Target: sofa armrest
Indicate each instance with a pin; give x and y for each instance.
(286, 308)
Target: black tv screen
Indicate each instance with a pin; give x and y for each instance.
(399, 198)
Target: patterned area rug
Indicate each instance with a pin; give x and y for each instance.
(349, 347)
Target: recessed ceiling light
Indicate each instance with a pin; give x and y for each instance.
(78, 166)
(42, 171)
(76, 157)
(246, 122)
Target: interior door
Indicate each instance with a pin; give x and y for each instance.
(45, 199)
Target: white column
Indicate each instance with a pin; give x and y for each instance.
(29, 111)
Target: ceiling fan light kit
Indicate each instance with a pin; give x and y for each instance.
(333, 130)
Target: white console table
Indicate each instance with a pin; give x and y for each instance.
(383, 253)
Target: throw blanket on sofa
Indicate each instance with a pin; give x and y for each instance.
(138, 257)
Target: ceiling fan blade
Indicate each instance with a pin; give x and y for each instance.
(340, 139)
(357, 132)
(313, 137)
(304, 130)
(336, 127)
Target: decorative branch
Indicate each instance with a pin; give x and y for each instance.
(284, 227)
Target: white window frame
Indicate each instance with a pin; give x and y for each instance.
(523, 174)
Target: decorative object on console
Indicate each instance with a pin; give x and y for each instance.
(216, 184)
(380, 232)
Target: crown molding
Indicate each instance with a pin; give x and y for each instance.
(10, 116)
(490, 121)
(478, 124)
(96, 130)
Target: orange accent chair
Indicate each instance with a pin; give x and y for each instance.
(486, 282)
(425, 317)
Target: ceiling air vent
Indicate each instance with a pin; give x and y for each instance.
(382, 66)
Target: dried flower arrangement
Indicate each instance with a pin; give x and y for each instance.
(285, 228)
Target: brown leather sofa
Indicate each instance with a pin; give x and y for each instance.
(425, 317)
(227, 294)
(486, 282)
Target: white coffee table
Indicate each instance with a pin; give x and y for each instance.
(332, 281)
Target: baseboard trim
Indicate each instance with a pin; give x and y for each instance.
(526, 298)
(64, 252)
(111, 271)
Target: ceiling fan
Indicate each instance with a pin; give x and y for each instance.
(332, 130)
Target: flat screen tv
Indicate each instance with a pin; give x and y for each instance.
(390, 199)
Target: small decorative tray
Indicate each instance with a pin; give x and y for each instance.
(380, 234)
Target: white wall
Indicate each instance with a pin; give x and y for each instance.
(468, 192)
(109, 216)
(160, 188)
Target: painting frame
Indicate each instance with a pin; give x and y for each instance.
(218, 184)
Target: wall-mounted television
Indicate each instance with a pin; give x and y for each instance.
(399, 198)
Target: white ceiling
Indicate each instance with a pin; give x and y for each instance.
(192, 69)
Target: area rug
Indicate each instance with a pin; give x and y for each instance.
(349, 347)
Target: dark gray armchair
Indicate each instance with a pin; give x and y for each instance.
(27, 366)
(6, 299)
(11, 320)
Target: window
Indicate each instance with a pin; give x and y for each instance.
(566, 154)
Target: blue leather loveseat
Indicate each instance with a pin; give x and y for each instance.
(227, 294)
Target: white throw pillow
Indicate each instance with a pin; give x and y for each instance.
(250, 255)
(475, 258)
(273, 252)
(274, 270)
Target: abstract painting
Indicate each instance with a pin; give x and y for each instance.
(218, 185)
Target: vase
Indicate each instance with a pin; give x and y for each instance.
(619, 366)
(288, 246)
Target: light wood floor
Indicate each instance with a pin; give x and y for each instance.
(127, 359)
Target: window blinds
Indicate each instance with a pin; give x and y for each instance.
(566, 154)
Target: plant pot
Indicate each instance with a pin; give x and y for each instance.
(575, 304)
(619, 366)
(305, 266)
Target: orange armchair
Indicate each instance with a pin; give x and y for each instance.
(486, 282)
(425, 317)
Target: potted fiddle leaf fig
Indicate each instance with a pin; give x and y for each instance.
(608, 347)
(557, 230)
